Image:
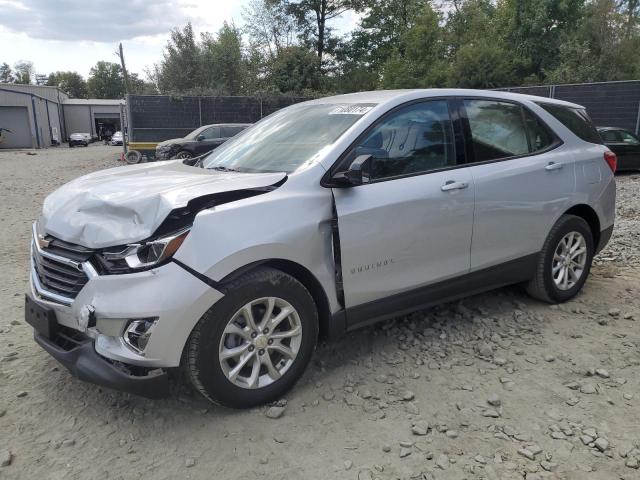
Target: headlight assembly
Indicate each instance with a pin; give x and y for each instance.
(141, 256)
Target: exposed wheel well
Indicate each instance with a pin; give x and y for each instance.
(305, 277)
(590, 216)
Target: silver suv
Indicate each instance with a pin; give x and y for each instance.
(323, 217)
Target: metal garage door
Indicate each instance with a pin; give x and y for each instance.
(15, 119)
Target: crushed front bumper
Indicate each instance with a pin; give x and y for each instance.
(77, 353)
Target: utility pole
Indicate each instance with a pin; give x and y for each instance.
(127, 86)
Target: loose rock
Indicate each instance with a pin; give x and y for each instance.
(5, 458)
(275, 412)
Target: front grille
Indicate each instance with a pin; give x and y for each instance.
(60, 269)
(58, 277)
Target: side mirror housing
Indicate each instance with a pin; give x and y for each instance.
(200, 138)
(359, 173)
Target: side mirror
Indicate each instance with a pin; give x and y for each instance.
(200, 138)
(359, 172)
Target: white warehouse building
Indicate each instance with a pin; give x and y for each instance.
(34, 116)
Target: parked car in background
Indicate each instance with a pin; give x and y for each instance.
(323, 217)
(117, 138)
(82, 139)
(200, 141)
(624, 144)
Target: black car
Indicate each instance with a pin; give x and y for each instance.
(198, 142)
(624, 144)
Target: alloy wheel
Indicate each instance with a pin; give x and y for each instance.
(260, 342)
(569, 260)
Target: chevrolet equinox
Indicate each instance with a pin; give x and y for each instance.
(321, 218)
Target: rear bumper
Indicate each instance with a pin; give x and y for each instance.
(84, 363)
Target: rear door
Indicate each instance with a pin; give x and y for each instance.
(523, 180)
(411, 225)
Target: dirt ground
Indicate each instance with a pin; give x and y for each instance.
(497, 386)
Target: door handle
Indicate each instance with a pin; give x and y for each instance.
(553, 166)
(453, 185)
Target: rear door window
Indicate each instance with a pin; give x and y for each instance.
(497, 129)
(540, 136)
(628, 138)
(228, 132)
(576, 120)
(610, 136)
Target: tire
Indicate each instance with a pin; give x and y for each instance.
(543, 286)
(211, 375)
(183, 155)
(132, 157)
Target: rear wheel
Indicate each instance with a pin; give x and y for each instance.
(254, 344)
(565, 261)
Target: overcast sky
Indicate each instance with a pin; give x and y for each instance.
(75, 34)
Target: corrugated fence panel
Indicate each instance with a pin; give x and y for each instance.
(538, 91)
(610, 104)
(154, 118)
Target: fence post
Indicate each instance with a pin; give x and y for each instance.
(200, 109)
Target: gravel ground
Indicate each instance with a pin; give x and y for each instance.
(497, 386)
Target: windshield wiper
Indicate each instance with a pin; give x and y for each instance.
(220, 168)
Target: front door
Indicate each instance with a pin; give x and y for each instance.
(209, 139)
(411, 225)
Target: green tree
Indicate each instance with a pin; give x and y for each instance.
(179, 69)
(269, 26)
(380, 33)
(538, 28)
(6, 75)
(70, 83)
(24, 73)
(223, 66)
(295, 70)
(418, 60)
(105, 81)
(313, 18)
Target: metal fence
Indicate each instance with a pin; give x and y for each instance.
(610, 104)
(154, 118)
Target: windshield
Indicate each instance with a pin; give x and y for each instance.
(287, 139)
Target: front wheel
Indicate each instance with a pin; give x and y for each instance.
(183, 155)
(253, 345)
(564, 262)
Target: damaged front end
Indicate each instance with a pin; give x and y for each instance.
(111, 314)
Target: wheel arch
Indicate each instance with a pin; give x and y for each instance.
(304, 276)
(589, 215)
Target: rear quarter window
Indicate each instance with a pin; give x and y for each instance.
(576, 120)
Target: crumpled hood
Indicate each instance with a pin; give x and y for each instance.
(127, 204)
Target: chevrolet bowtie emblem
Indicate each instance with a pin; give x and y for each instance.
(42, 243)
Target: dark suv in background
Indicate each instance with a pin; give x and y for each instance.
(624, 144)
(202, 140)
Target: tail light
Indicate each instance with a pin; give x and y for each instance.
(611, 159)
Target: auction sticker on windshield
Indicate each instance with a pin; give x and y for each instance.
(352, 109)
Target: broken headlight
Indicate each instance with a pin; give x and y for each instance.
(141, 256)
